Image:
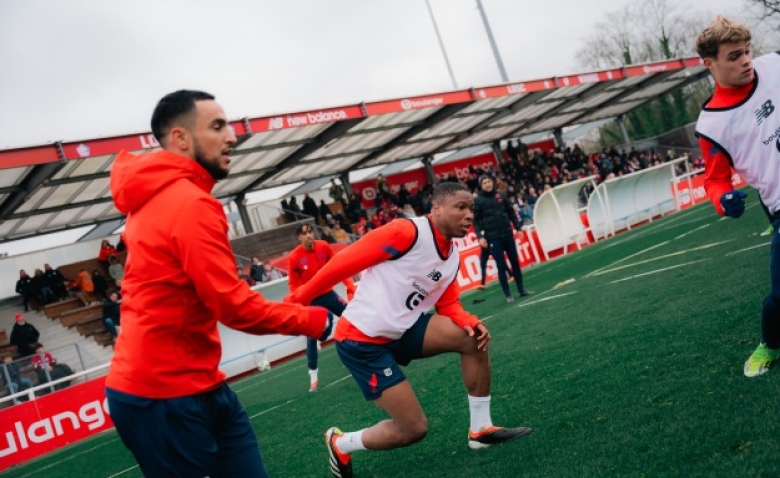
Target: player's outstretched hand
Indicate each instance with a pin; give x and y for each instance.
(733, 203)
(481, 333)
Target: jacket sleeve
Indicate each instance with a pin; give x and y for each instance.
(479, 227)
(200, 242)
(379, 245)
(293, 277)
(717, 173)
(510, 212)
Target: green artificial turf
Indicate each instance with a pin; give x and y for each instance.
(633, 369)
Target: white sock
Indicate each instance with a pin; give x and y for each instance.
(351, 441)
(313, 376)
(479, 411)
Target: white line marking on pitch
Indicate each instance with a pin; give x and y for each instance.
(749, 248)
(657, 271)
(124, 471)
(531, 302)
(629, 257)
(293, 399)
(698, 248)
(691, 231)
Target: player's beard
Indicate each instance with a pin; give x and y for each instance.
(212, 166)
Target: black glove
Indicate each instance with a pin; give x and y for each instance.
(733, 203)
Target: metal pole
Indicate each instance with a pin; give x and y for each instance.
(493, 45)
(441, 45)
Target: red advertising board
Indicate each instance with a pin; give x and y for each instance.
(691, 191)
(460, 168)
(33, 428)
(306, 118)
(14, 158)
(418, 102)
(470, 275)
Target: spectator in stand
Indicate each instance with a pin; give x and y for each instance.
(106, 251)
(493, 221)
(271, 272)
(85, 286)
(310, 208)
(241, 271)
(327, 235)
(48, 369)
(286, 213)
(256, 271)
(120, 244)
(24, 336)
(340, 234)
(295, 209)
(43, 292)
(336, 193)
(116, 270)
(25, 287)
(303, 263)
(99, 283)
(111, 313)
(324, 211)
(354, 208)
(55, 281)
(12, 377)
(382, 188)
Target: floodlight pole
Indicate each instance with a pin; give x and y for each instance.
(493, 45)
(441, 45)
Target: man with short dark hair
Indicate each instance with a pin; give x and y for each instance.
(302, 264)
(25, 287)
(410, 267)
(169, 401)
(494, 217)
(739, 130)
(55, 280)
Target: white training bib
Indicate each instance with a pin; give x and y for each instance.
(749, 132)
(392, 295)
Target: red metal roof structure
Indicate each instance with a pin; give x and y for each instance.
(65, 185)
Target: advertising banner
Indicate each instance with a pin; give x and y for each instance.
(34, 428)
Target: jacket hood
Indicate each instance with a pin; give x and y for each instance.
(136, 178)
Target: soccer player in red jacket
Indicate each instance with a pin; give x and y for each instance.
(168, 399)
(410, 267)
(303, 263)
(739, 130)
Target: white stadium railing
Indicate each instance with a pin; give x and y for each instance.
(624, 201)
(557, 217)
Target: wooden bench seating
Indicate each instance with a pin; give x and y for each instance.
(71, 318)
(89, 327)
(6, 349)
(54, 309)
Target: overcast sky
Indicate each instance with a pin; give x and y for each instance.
(81, 69)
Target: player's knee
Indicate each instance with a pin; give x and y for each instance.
(417, 432)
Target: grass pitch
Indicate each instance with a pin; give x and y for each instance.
(633, 369)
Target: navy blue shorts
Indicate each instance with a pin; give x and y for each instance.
(375, 367)
(208, 434)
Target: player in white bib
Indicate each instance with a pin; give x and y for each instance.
(410, 267)
(739, 130)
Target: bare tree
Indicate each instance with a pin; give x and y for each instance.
(770, 7)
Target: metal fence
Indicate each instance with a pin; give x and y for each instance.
(26, 378)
